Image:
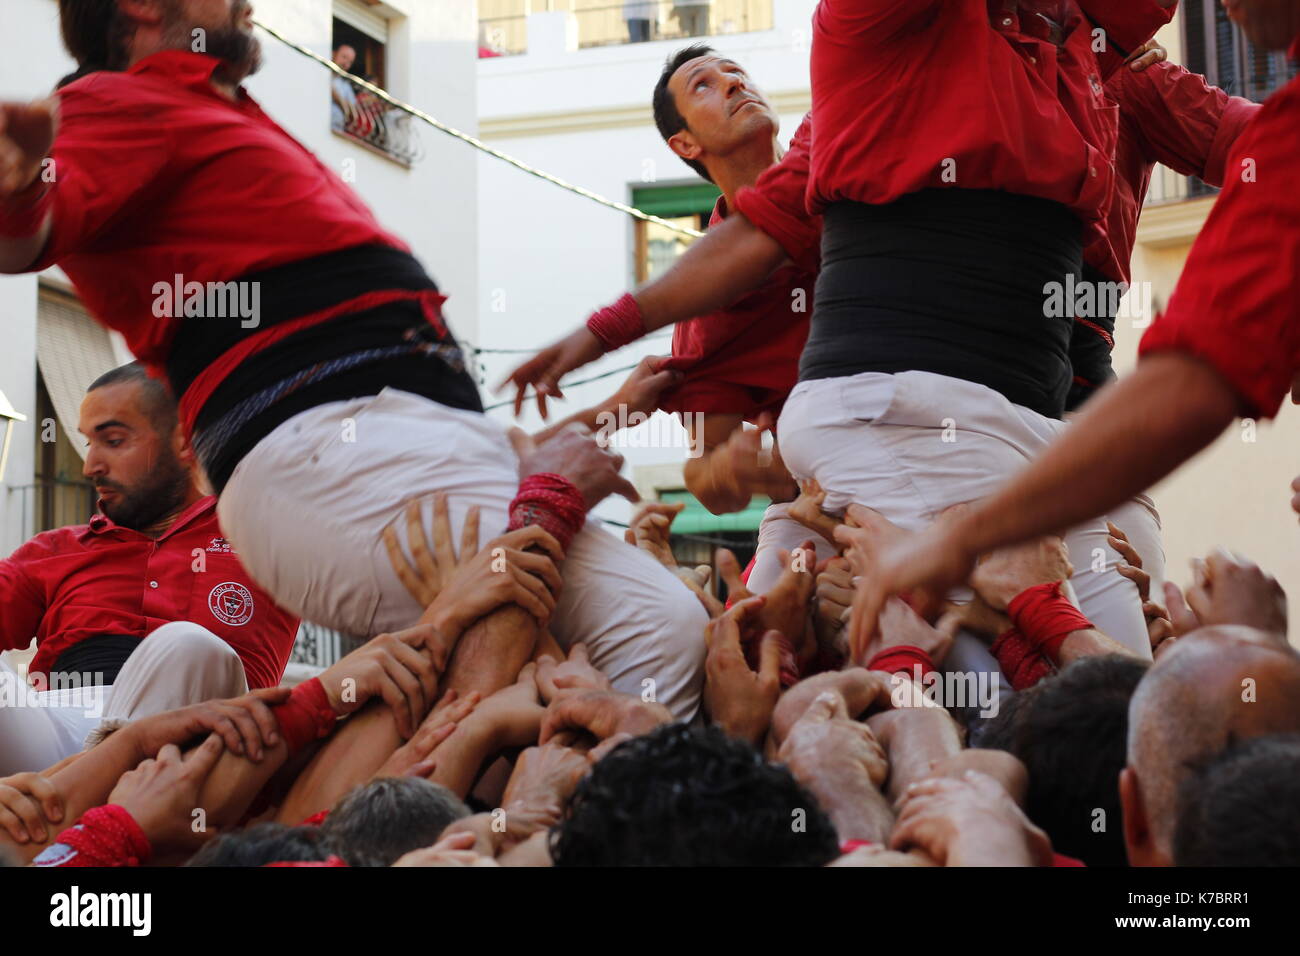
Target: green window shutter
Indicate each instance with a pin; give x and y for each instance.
(697, 519)
(669, 201)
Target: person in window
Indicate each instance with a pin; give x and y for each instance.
(343, 96)
(638, 14)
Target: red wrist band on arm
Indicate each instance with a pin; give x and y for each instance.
(903, 659)
(1046, 617)
(1022, 664)
(22, 215)
(553, 503)
(305, 716)
(619, 324)
(104, 836)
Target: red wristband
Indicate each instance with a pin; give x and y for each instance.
(903, 659)
(619, 324)
(22, 215)
(1022, 664)
(1046, 618)
(104, 836)
(305, 716)
(553, 503)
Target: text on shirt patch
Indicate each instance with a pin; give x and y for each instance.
(231, 603)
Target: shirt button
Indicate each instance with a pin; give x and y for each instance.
(153, 584)
(1006, 21)
(1033, 59)
(1092, 170)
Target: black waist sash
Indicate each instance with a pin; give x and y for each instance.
(952, 281)
(355, 354)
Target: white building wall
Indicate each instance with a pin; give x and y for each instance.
(432, 206)
(548, 257)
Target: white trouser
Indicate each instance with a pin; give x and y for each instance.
(176, 665)
(776, 533)
(306, 509)
(914, 443)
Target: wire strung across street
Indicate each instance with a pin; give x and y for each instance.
(475, 142)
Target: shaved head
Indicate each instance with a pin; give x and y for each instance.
(1216, 686)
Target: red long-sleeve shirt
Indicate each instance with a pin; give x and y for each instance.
(743, 359)
(72, 583)
(970, 94)
(1166, 115)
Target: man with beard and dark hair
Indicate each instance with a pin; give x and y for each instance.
(146, 608)
(153, 148)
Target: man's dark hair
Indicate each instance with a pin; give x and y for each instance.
(1239, 808)
(155, 397)
(263, 844)
(380, 821)
(1071, 733)
(691, 797)
(667, 118)
(95, 33)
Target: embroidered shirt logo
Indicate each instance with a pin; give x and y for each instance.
(220, 546)
(231, 603)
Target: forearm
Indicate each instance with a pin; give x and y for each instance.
(1131, 435)
(1088, 643)
(348, 759)
(857, 810)
(916, 739)
(731, 259)
(492, 652)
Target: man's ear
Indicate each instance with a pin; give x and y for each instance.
(684, 145)
(182, 448)
(1138, 839)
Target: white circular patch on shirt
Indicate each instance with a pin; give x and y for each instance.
(231, 603)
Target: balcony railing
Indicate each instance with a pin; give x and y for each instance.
(1168, 186)
(358, 114)
(504, 23)
(53, 503)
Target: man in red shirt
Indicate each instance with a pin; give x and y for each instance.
(1227, 346)
(144, 609)
(305, 344)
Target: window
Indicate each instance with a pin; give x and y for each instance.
(1215, 47)
(360, 46)
(657, 247)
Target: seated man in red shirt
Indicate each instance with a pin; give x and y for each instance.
(144, 609)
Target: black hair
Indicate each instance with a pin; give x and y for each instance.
(667, 118)
(156, 398)
(95, 33)
(382, 820)
(1071, 733)
(679, 796)
(263, 844)
(1238, 807)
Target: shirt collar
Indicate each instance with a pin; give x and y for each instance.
(191, 70)
(102, 524)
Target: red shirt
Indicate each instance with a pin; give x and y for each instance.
(1237, 304)
(776, 203)
(967, 94)
(1166, 115)
(744, 359)
(158, 175)
(72, 583)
